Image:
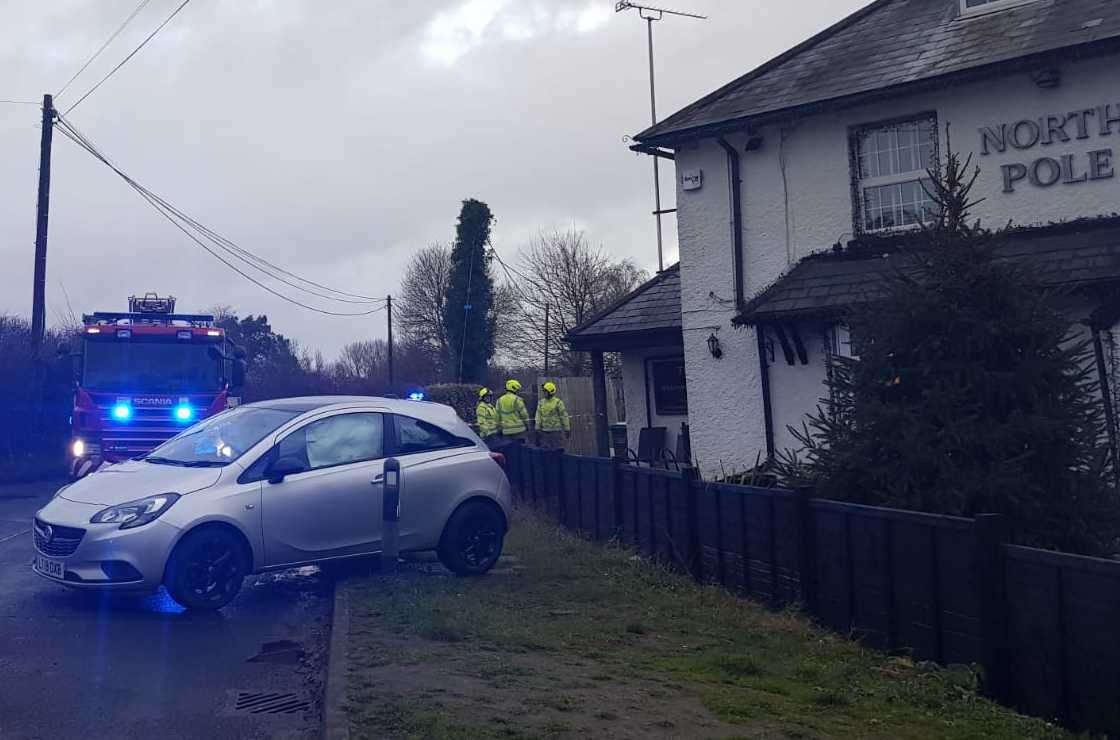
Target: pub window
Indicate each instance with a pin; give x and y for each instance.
(974, 7)
(840, 342)
(670, 395)
(891, 180)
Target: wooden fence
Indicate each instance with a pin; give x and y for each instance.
(1044, 626)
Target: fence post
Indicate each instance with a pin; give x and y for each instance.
(807, 548)
(991, 535)
(695, 556)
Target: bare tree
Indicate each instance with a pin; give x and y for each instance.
(367, 360)
(419, 313)
(575, 280)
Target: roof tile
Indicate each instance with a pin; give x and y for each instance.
(892, 42)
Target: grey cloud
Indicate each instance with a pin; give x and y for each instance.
(319, 135)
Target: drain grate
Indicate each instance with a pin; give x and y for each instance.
(266, 702)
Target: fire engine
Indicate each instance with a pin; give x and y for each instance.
(144, 376)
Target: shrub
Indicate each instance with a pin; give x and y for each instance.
(463, 397)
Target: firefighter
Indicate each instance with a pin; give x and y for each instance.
(553, 424)
(513, 417)
(486, 416)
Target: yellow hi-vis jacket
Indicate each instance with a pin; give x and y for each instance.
(487, 417)
(552, 415)
(513, 417)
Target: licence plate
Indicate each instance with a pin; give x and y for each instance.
(48, 567)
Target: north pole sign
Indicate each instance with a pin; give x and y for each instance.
(1044, 171)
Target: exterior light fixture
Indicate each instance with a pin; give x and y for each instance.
(713, 346)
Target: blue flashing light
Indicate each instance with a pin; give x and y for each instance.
(416, 396)
(122, 412)
(184, 413)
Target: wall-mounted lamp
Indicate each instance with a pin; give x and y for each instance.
(713, 346)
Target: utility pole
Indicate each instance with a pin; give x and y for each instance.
(546, 338)
(389, 313)
(649, 15)
(38, 300)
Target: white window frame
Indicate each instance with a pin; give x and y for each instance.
(840, 341)
(989, 7)
(860, 184)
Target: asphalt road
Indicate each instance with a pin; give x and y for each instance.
(88, 666)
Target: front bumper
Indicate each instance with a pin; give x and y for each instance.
(106, 557)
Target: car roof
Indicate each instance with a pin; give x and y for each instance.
(301, 405)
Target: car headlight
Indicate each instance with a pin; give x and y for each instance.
(136, 513)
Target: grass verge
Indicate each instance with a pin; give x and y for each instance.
(571, 639)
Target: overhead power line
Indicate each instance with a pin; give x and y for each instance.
(186, 224)
(21, 102)
(104, 46)
(131, 54)
(253, 260)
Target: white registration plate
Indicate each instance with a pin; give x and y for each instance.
(48, 567)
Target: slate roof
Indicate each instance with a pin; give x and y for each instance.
(896, 42)
(653, 308)
(1081, 254)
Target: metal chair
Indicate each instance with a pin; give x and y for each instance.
(651, 449)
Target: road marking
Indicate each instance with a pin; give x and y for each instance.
(13, 536)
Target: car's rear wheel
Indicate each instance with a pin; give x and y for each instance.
(206, 569)
(472, 540)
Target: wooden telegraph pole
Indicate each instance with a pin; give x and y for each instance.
(38, 300)
(389, 312)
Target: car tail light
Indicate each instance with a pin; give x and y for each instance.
(498, 458)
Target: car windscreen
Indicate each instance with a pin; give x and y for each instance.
(137, 366)
(221, 439)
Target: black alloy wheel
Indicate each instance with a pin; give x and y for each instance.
(207, 569)
(472, 540)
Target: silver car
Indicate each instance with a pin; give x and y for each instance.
(273, 485)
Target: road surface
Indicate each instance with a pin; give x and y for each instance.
(89, 666)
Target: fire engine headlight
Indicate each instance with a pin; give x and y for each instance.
(78, 448)
(136, 513)
(184, 413)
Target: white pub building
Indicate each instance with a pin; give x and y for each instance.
(794, 179)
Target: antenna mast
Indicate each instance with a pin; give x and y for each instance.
(649, 15)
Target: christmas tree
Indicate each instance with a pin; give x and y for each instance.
(972, 392)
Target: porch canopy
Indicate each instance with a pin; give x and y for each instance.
(648, 316)
(1081, 255)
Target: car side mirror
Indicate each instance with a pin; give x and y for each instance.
(282, 468)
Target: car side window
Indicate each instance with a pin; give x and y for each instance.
(338, 440)
(415, 436)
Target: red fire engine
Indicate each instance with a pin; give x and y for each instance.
(144, 376)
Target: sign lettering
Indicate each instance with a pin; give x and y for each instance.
(1047, 130)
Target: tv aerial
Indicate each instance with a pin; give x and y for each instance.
(650, 14)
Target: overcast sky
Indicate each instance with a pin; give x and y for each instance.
(335, 137)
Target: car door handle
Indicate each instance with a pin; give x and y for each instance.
(377, 480)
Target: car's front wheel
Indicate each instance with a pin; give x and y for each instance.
(472, 540)
(206, 569)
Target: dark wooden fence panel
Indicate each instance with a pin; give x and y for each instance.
(709, 532)
(1063, 612)
(959, 593)
(734, 538)
(899, 579)
(574, 482)
(607, 525)
(916, 583)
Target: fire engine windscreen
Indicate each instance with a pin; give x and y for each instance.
(153, 367)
